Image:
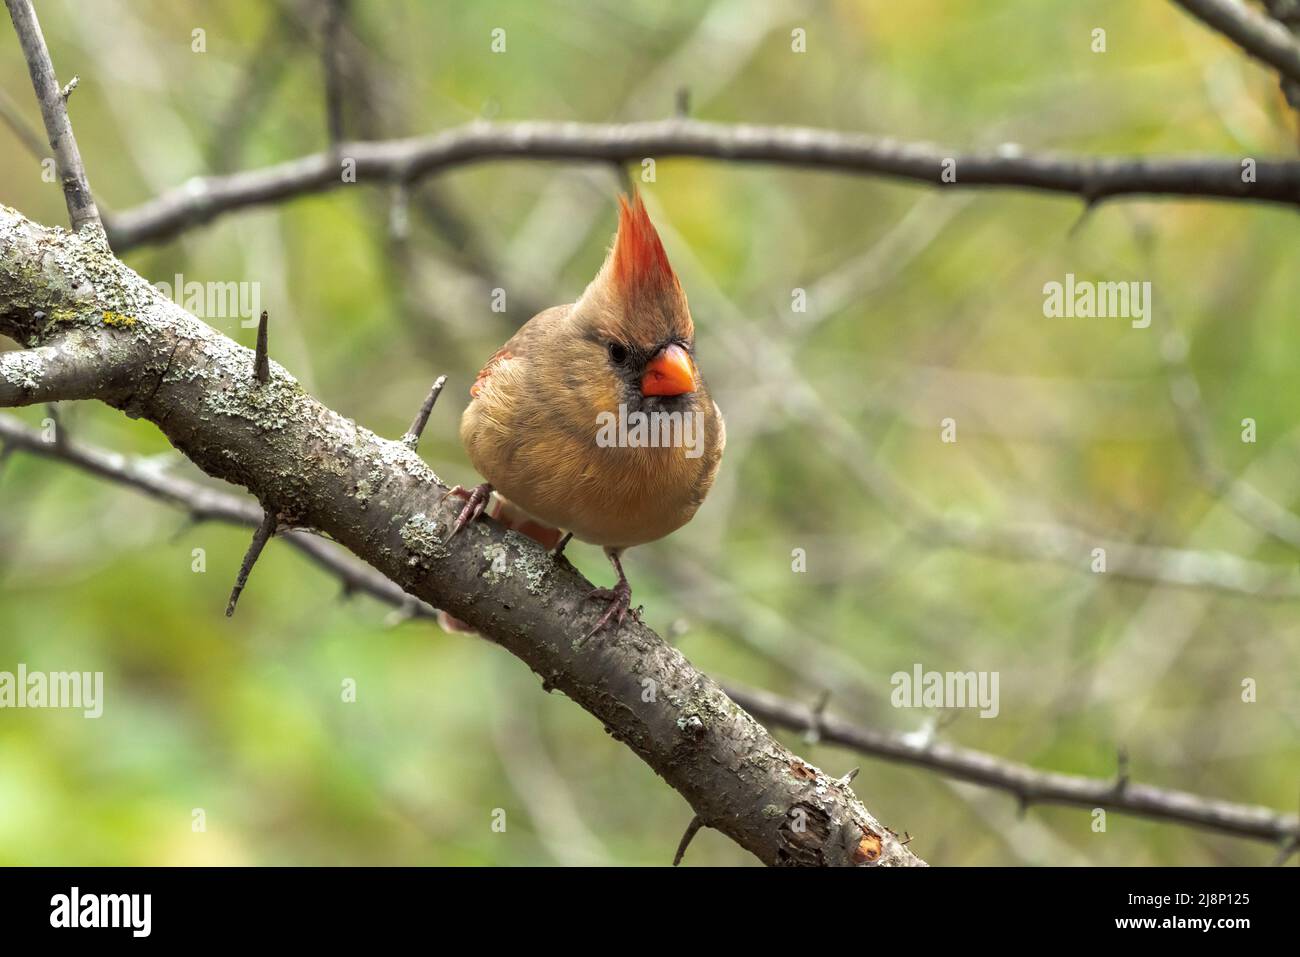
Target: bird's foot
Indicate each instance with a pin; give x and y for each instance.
(620, 603)
(476, 500)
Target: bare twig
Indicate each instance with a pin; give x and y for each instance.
(263, 535)
(259, 79)
(691, 830)
(54, 111)
(1029, 785)
(32, 141)
(1047, 541)
(1257, 34)
(412, 437)
(1243, 497)
(391, 161)
(203, 503)
(335, 11)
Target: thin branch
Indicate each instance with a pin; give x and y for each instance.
(691, 830)
(412, 437)
(378, 499)
(331, 65)
(1256, 33)
(391, 161)
(263, 535)
(203, 503)
(1044, 541)
(32, 141)
(1250, 504)
(1029, 785)
(259, 79)
(54, 111)
(1035, 786)
(78, 366)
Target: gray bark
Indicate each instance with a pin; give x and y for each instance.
(94, 328)
(1090, 178)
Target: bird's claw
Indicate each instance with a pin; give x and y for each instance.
(476, 500)
(620, 602)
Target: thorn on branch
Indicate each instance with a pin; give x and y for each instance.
(813, 733)
(412, 437)
(947, 718)
(69, 87)
(558, 550)
(52, 410)
(260, 538)
(624, 176)
(683, 102)
(399, 211)
(848, 778)
(1121, 776)
(691, 830)
(191, 519)
(1288, 848)
(400, 615)
(1090, 204)
(262, 362)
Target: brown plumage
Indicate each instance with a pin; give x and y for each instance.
(535, 414)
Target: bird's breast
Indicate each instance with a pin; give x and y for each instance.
(601, 480)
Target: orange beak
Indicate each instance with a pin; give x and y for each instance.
(671, 372)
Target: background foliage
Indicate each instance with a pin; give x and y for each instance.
(922, 305)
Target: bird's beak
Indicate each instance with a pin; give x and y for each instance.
(670, 372)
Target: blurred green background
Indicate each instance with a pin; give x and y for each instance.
(922, 305)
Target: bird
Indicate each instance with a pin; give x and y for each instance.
(593, 421)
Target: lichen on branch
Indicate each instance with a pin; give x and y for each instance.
(317, 469)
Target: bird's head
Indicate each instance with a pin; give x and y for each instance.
(634, 322)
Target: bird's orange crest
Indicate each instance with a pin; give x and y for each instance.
(638, 262)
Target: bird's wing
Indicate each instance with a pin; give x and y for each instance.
(519, 345)
(497, 357)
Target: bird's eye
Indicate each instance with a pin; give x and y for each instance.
(618, 352)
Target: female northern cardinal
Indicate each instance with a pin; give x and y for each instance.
(593, 418)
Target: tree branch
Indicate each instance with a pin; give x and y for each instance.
(80, 365)
(203, 504)
(376, 497)
(406, 160)
(1029, 785)
(1257, 34)
(54, 111)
